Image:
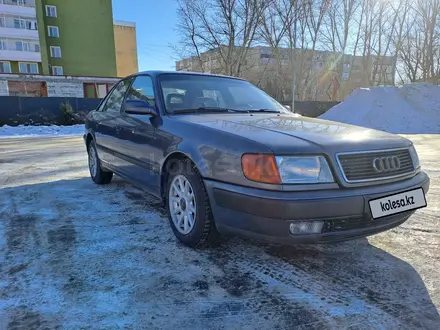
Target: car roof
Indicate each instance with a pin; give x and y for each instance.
(155, 73)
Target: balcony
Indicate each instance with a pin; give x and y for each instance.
(18, 28)
(20, 51)
(23, 8)
(15, 55)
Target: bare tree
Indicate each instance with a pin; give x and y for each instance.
(223, 29)
(310, 47)
(418, 41)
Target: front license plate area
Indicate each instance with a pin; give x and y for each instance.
(397, 203)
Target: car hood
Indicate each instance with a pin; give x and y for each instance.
(287, 133)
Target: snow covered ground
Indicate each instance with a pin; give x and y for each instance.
(410, 109)
(54, 130)
(74, 255)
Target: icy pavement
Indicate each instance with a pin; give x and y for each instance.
(410, 109)
(54, 130)
(74, 255)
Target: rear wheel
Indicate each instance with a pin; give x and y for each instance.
(97, 174)
(189, 208)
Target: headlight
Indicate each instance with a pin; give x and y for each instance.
(414, 157)
(286, 169)
(304, 169)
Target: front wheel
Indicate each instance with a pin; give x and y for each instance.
(189, 208)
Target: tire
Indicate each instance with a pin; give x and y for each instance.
(96, 173)
(203, 232)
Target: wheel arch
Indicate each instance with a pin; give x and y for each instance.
(89, 138)
(170, 160)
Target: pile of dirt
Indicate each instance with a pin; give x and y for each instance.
(408, 109)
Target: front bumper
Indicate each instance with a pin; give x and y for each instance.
(267, 215)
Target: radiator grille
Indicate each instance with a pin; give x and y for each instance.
(358, 167)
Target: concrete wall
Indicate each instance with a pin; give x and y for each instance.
(312, 108)
(4, 89)
(51, 86)
(126, 48)
(65, 89)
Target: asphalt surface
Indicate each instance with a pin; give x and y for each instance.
(74, 255)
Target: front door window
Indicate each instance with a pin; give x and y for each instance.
(116, 97)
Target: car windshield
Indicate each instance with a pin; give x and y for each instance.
(185, 93)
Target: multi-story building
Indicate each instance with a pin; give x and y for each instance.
(65, 37)
(20, 48)
(62, 38)
(126, 49)
(320, 75)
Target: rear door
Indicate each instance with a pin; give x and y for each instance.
(137, 151)
(107, 119)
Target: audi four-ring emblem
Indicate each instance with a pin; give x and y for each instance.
(386, 164)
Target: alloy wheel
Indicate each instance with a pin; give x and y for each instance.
(182, 204)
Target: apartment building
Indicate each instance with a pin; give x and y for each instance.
(41, 40)
(320, 75)
(19, 37)
(63, 37)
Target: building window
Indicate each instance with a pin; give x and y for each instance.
(19, 45)
(24, 46)
(21, 2)
(53, 31)
(28, 67)
(55, 51)
(20, 23)
(346, 65)
(3, 45)
(51, 11)
(57, 70)
(265, 56)
(5, 67)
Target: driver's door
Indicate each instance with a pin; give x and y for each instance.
(137, 151)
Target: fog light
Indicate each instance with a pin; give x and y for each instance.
(306, 227)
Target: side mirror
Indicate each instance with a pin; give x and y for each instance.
(288, 107)
(139, 107)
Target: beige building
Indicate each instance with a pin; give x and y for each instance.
(126, 48)
(320, 75)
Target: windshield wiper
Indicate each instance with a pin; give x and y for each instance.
(207, 110)
(263, 110)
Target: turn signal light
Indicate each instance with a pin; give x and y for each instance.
(260, 168)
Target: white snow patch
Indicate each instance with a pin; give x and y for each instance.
(410, 109)
(54, 130)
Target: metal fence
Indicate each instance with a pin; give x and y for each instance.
(16, 110)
